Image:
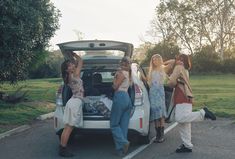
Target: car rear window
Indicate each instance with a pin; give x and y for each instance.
(101, 53)
(106, 76)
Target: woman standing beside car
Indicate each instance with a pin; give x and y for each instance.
(156, 79)
(73, 115)
(121, 108)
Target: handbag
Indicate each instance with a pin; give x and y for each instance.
(171, 115)
(171, 110)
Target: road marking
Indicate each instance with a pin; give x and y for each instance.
(13, 131)
(141, 148)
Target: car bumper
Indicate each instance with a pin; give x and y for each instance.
(139, 122)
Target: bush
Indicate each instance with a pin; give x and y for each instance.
(48, 68)
(166, 50)
(206, 61)
(228, 66)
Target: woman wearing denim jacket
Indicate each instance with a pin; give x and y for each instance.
(179, 79)
(121, 108)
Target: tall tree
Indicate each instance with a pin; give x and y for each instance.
(196, 23)
(26, 27)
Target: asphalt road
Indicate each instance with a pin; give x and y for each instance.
(211, 140)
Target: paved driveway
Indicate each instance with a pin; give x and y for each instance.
(211, 139)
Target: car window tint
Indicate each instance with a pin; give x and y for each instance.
(107, 76)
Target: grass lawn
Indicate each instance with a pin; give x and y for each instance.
(41, 95)
(216, 91)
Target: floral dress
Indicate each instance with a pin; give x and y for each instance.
(157, 96)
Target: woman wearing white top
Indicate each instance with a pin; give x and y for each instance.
(121, 108)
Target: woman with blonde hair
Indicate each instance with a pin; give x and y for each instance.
(156, 79)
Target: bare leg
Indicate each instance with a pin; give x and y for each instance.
(162, 122)
(157, 123)
(65, 135)
(63, 151)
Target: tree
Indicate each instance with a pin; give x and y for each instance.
(140, 52)
(166, 50)
(205, 60)
(197, 23)
(80, 35)
(49, 67)
(26, 27)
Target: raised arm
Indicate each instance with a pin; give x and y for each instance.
(169, 66)
(78, 64)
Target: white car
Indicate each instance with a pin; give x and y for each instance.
(101, 60)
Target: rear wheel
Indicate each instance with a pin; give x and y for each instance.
(144, 139)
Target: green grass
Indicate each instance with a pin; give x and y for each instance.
(40, 93)
(217, 92)
(38, 89)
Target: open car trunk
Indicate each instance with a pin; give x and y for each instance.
(100, 61)
(96, 47)
(97, 83)
(98, 93)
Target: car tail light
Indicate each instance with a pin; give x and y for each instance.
(59, 97)
(138, 96)
(141, 122)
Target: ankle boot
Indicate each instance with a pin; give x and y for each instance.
(158, 133)
(161, 138)
(64, 152)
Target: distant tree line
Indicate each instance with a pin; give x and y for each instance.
(203, 61)
(204, 29)
(49, 67)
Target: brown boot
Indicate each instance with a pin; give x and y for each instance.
(158, 133)
(161, 138)
(64, 152)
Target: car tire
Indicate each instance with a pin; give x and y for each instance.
(144, 140)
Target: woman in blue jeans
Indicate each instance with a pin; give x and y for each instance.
(121, 109)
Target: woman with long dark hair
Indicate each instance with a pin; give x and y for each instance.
(179, 79)
(73, 115)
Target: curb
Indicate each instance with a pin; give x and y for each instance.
(15, 130)
(45, 116)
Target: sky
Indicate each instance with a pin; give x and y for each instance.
(121, 20)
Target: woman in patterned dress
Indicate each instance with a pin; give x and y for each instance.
(73, 115)
(156, 79)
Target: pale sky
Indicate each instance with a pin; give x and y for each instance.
(122, 20)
